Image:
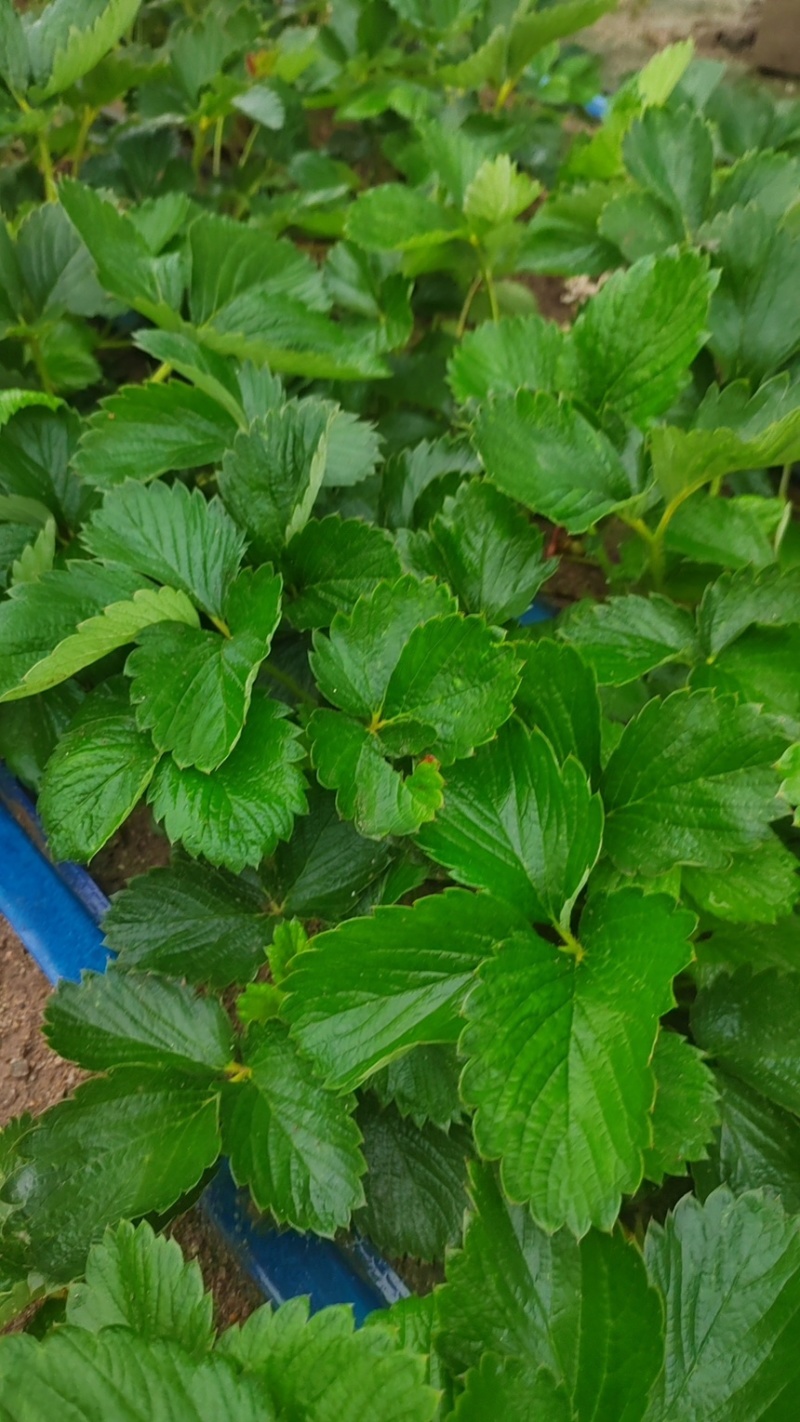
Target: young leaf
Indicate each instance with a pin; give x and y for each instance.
(755, 323)
(729, 1274)
(190, 921)
(416, 1185)
(623, 358)
(558, 696)
(582, 1310)
(685, 1112)
(236, 817)
(147, 430)
(379, 799)
(273, 473)
(568, 1038)
(98, 772)
(371, 988)
(136, 1279)
(544, 453)
(116, 1019)
(520, 825)
(332, 562)
(500, 357)
(627, 637)
(748, 1022)
(172, 535)
(690, 782)
(290, 1139)
(498, 193)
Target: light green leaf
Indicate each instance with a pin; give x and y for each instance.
(737, 532)
(756, 1146)
(294, 1142)
(371, 988)
(547, 456)
(499, 192)
(98, 772)
(136, 1279)
(394, 218)
(685, 1112)
(671, 153)
(14, 59)
(623, 358)
(690, 782)
(116, 1019)
(172, 535)
(627, 637)
(766, 431)
(559, 1049)
(125, 266)
(85, 47)
(190, 921)
(147, 430)
(379, 799)
(754, 319)
(737, 601)
(236, 817)
(500, 357)
(416, 1188)
(664, 71)
(272, 475)
(729, 1274)
(639, 224)
(582, 1310)
(558, 696)
(520, 825)
(12, 401)
(530, 32)
(748, 1022)
(37, 557)
(332, 562)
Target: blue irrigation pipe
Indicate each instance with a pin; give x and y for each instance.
(56, 910)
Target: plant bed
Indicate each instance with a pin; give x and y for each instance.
(478, 934)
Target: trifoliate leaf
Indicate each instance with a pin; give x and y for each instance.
(273, 473)
(748, 1022)
(114, 627)
(98, 772)
(192, 922)
(501, 357)
(379, 799)
(582, 1310)
(332, 562)
(326, 866)
(192, 688)
(499, 192)
(290, 1139)
(520, 825)
(236, 817)
(745, 599)
(671, 153)
(624, 360)
(394, 218)
(759, 886)
(685, 1112)
(729, 1274)
(558, 696)
(627, 637)
(135, 1019)
(423, 1085)
(371, 988)
(416, 1187)
(755, 324)
(690, 782)
(568, 1038)
(172, 535)
(136, 1279)
(762, 667)
(756, 1146)
(147, 430)
(125, 1144)
(544, 453)
(489, 553)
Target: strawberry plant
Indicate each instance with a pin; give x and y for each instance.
(470, 914)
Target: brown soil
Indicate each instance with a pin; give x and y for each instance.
(721, 29)
(32, 1077)
(139, 845)
(235, 1294)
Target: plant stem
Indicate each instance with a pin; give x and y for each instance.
(46, 166)
(78, 152)
(503, 94)
(468, 300)
(786, 475)
(163, 373)
(217, 159)
(570, 944)
(248, 147)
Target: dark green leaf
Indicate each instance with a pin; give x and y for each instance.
(748, 1022)
(627, 637)
(755, 321)
(272, 475)
(416, 1186)
(671, 153)
(685, 1111)
(499, 358)
(330, 563)
(757, 1146)
(423, 1085)
(759, 886)
(558, 696)
(147, 430)
(326, 866)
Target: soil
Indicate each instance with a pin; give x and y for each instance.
(32, 1077)
(721, 29)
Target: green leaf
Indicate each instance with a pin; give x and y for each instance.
(37, 557)
(12, 401)
(147, 430)
(685, 1111)
(622, 356)
(499, 192)
(759, 886)
(116, 1019)
(236, 817)
(558, 695)
(143, 1381)
(371, 988)
(729, 1274)
(627, 637)
(423, 1085)
(487, 551)
(393, 218)
(85, 47)
(294, 1142)
(544, 453)
(30, 730)
(14, 58)
(748, 1022)
(136, 1279)
(762, 666)
(729, 946)
(531, 32)
(170, 534)
(272, 475)
(416, 1186)
(767, 179)
(690, 782)
(757, 1146)
(639, 224)
(734, 533)
(123, 1145)
(232, 259)
(379, 799)
(520, 825)
(354, 448)
(98, 772)
(190, 921)
(582, 1310)
(192, 688)
(559, 1049)
(754, 319)
(114, 627)
(563, 238)
(745, 599)
(332, 562)
(326, 867)
(671, 153)
(500, 357)
(736, 432)
(125, 265)
(510, 1388)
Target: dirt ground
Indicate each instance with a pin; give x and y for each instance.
(725, 29)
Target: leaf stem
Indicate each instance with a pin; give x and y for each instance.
(786, 477)
(163, 373)
(216, 164)
(46, 166)
(503, 94)
(570, 944)
(468, 300)
(79, 151)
